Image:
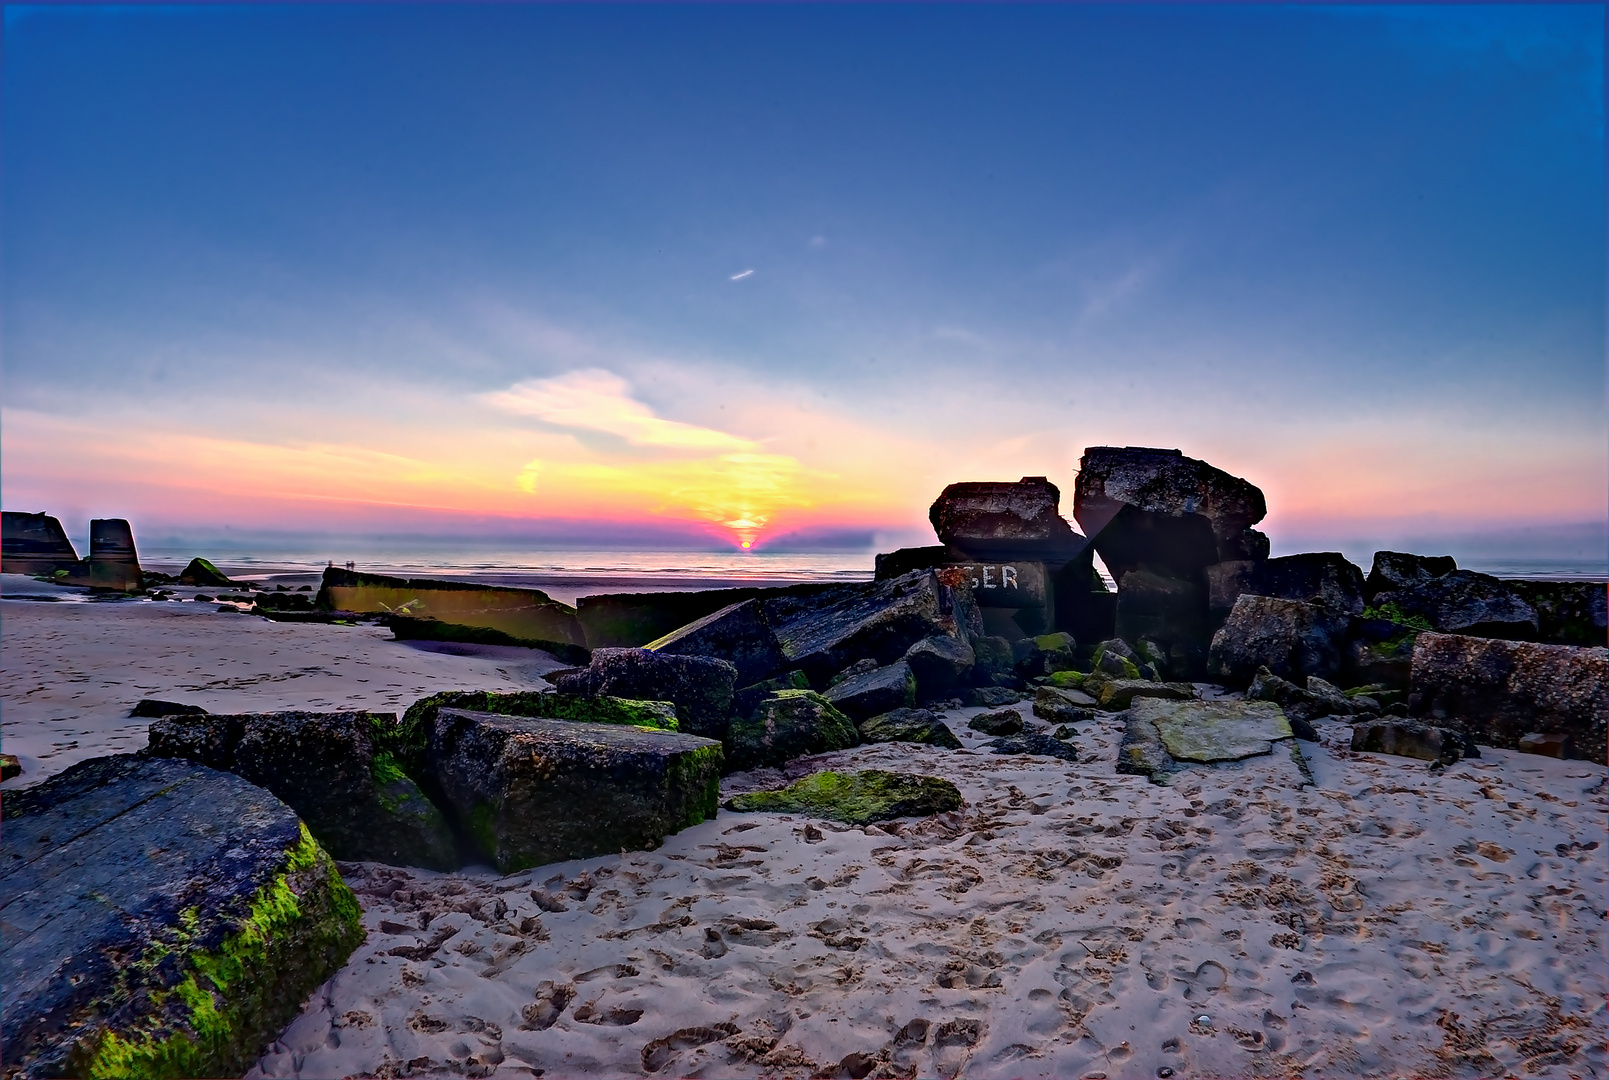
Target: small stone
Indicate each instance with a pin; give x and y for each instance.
(855, 798)
(1554, 745)
(1004, 722)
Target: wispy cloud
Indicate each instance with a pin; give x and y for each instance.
(596, 400)
(741, 274)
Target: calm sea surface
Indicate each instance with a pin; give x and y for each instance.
(565, 575)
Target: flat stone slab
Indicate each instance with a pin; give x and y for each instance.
(159, 918)
(533, 790)
(1198, 731)
(1162, 737)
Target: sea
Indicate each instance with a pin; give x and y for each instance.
(567, 574)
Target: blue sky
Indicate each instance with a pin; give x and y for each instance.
(753, 271)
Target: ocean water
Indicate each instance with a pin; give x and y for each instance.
(563, 575)
(568, 574)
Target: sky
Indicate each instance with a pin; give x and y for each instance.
(719, 274)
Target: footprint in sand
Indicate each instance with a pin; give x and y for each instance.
(953, 1043)
(550, 1003)
(657, 1054)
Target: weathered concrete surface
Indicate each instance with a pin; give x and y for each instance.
(879, 621)
(984, 518)
(1143, 505)
(699, 686)
(159, 919)
(1497, 691)
(520, 616)
(1568, 612)
(33, 544)
(855, 798)
(941, 664)
(1290, 638)
(1464, 602)
(909, 725)
(874, 692)
(1115, 694)
(1325, 578)
(632, 620)
(356, 799)
(738, 634)
(1408, 738)
(789, 724)
(534, 791)
(1162, 737)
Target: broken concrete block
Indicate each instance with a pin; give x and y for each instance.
(534, 791)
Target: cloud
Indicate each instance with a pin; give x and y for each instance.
(741, 274)
(596, 400)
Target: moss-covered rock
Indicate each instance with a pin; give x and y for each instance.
(909, 725)
(1003, 722)
(855, 798)
(407, 739)
(356, 798)
(1067, 680)
(534, 790)
(789, 724)
(163, 920)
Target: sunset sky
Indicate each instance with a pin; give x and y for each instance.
(670, 275)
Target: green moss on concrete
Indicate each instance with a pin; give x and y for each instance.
(407, 738)
(706, 761)
(232, 998)
(1067, 680)
(483, 827)
(1059, 642)
(856, 798)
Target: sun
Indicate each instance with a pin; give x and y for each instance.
(747, 544)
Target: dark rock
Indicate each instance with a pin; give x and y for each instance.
(1383, 663)
(992, 697)
(1463, 602)
(202, 572)
(855, 798)
(9, 766)
(746, 700)
(112, 563)
(738, 634)
(1325, 578)
(34, 544)
(699, 686)
(1407, 738)
(789, 724)
(1141, 505)
(859, 667)
(873, 692)
(878, 621)
(899, 563)
(995, 655)
(1043, 655)
(1004, 519)
(151, 708)
(358, 803)
(1004, 722)
(1397, 570)
(1117, 658)
(940, 664)
(632, 620)
(1036, 743)
(161, 919)
(909, 725)
(1302, 729)
(1058, 706)
(1555, 745)
(536, 791)
(1290, 638)
(1169, 610)
(1226, 581)
(1299, 703)
(1568, 612)
(1115, 694)
(1497, 691)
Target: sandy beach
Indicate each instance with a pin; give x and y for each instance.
(1380, 920)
